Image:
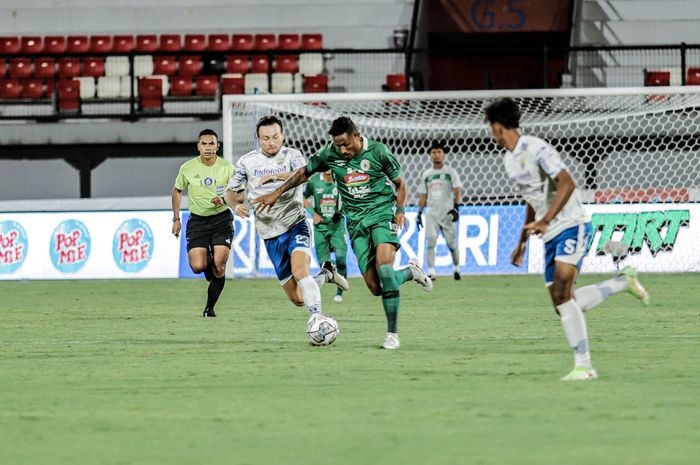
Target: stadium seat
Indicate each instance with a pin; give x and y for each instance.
(123, 44)
(32, 45)
(232, 84)
(298, 83)
(69, 95)
(170, 43)
(94, 66)
(9, 45)
(146, 43)
(255, 81)
(165, 83)
(312, 42)
(50, 84)
(3, 68)
(242, 42)
(282, 83)
(316, 84)
(54, 44)
(260, 64)
(20, 68)
(44, 68)
(151, 94)
(181, 86)
(206, 85)
(264, 42)
(32, 89)
(195, 43)
(10, 88)
(396, 82)
(100, 44)
(87, 87)
(143, 65)
(165, 65)
(68, 67)
(237, 64)
(692, 77)
(77, 44)
(189, 65)
(286, 64)
(117, 66)
(288, 42)
(311, 64)
(657, 78)
(125, 87)
(218, 42)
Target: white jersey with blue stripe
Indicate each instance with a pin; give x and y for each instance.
(533, 166)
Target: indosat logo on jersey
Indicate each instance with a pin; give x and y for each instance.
(70, 245)
(132, 247)
(13, 246)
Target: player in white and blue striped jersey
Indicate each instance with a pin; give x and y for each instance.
(555, 212)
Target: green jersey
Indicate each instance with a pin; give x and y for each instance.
(203, 183)
(326, 198)
(364, 181)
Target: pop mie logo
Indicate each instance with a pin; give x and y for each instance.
(70, 246)
(132, 247)
(13, 246)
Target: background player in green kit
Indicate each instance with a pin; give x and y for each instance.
(210, 227)
(373, 193)
(329, 223)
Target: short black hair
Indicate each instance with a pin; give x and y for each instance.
(268, 120)
(437, 144)
(505, 111)
(342, 125)
(207, 132)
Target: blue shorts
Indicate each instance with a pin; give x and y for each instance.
(570, 246)
(280, 249)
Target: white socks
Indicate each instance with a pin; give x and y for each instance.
(588, 297)
(311, 294)
(321, 278)
(575, 330)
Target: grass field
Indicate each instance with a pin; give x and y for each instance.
(127, 372)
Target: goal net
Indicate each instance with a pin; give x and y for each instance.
(634, 153)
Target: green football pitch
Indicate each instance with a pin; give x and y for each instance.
(128, 372)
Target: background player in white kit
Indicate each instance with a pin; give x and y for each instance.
(555, 212)
(441, 190)
(283, 227)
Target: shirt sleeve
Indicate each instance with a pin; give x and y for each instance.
(319, 161)
(548, 159)
(239, 179)
(456, 180)
(422, 188)
(180, 180)
(296, 160)
(390, 165)
(308, 190)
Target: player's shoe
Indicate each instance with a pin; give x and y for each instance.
(418, 276)
(334, 277)
(338, 299)
(209, 268)
(391, 341)
(208, 313)
(457, 276)
(432, 277)
(634, 286)
(580, 374)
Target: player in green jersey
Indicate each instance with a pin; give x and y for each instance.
(210, 227)
(373, 193)
(329, 223)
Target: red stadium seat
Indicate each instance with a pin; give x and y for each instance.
(123, 44)
(286, 64)
(10, 88)
(692, 78)
(190, 65)
(77, 44)
(164, 65)
(94, 67)
(33, 89)
(195, 43)
(68, 67)
(233, 85)
(146, 43)
(20, 68)
(151, 94)
(288, 42)
(69, 95)
(181, 86)
(242, 42)
(3, 68)
(316, 84)
(657, 78)
(54, 44)
(9, 45)
(312, 41)
(170, 43)
(218, 43)
(396, 82)
(237, 64)
(260, 64)
(206, 85)
(264, 42)
(100, 44)
(32, 44)
(49, 88)
(45, 68)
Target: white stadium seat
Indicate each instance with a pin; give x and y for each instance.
(256, 81)
(117, 66)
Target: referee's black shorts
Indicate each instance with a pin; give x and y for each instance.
(208, 231)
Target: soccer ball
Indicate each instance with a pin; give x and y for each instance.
(322, 330)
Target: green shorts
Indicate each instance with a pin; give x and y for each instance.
(329, 239)
(366, 237)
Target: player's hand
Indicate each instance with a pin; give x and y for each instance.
(177, 227)
(419, 220)
(537, 228)
(218, 201)
(264, 202)
(317, 218)
(242, 211)
(337, 216)
(516, 258)
(400, 220)
(454, 213)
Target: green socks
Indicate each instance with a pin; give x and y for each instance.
(390, 295)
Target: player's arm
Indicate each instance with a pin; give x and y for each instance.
(454, 213)
(399, 216)
(565, 187)
(176, 201)
(422, 201)
(516, 258)
(234, 192)
(275, 177)
(297, 178)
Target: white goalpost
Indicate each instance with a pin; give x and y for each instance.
(634, 152)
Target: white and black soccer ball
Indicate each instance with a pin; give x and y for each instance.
(322, 330)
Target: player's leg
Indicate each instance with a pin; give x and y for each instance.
(220, 238)
(448, 229)
(339, 245)
(590, 296)
(431, 236)
(298, 241)
(328, 273)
